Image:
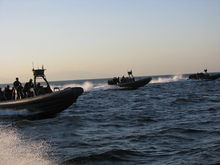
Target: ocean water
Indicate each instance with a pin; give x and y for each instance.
(169, 121)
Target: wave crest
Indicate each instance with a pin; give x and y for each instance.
(114, 155)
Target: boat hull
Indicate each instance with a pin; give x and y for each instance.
(135, 84)
(49, 103)
(201, 76)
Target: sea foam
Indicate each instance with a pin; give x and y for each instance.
(16, 151)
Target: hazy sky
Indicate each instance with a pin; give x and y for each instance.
(80, 39)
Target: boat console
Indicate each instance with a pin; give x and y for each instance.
(39, 74)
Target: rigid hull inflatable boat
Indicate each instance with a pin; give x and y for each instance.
(129, 82)
(44, 100)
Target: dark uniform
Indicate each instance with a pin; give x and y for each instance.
(18, 88)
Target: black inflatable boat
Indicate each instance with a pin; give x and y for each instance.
(129, 82)
(44, 101)
(204, 76)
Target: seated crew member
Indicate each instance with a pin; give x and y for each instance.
(206, 73)
(29, 89)
(7, 93)
(39, 89)
(2, 98)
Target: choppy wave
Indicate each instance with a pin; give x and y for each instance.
(164, 123)
(115, 155)
(15, 150)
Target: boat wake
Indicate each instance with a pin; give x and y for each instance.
(89, 86)
(15, 150)
(173, 78)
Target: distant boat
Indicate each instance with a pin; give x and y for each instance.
(203, 76)
(129, 82)
(45, 103)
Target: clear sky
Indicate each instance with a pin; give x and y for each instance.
(80, 39)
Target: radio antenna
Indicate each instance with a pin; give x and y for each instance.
(33, 65)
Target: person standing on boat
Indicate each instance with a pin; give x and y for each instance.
(29, 89)
(17, 89)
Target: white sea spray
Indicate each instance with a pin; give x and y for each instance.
(173, 78)
(14, 150)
